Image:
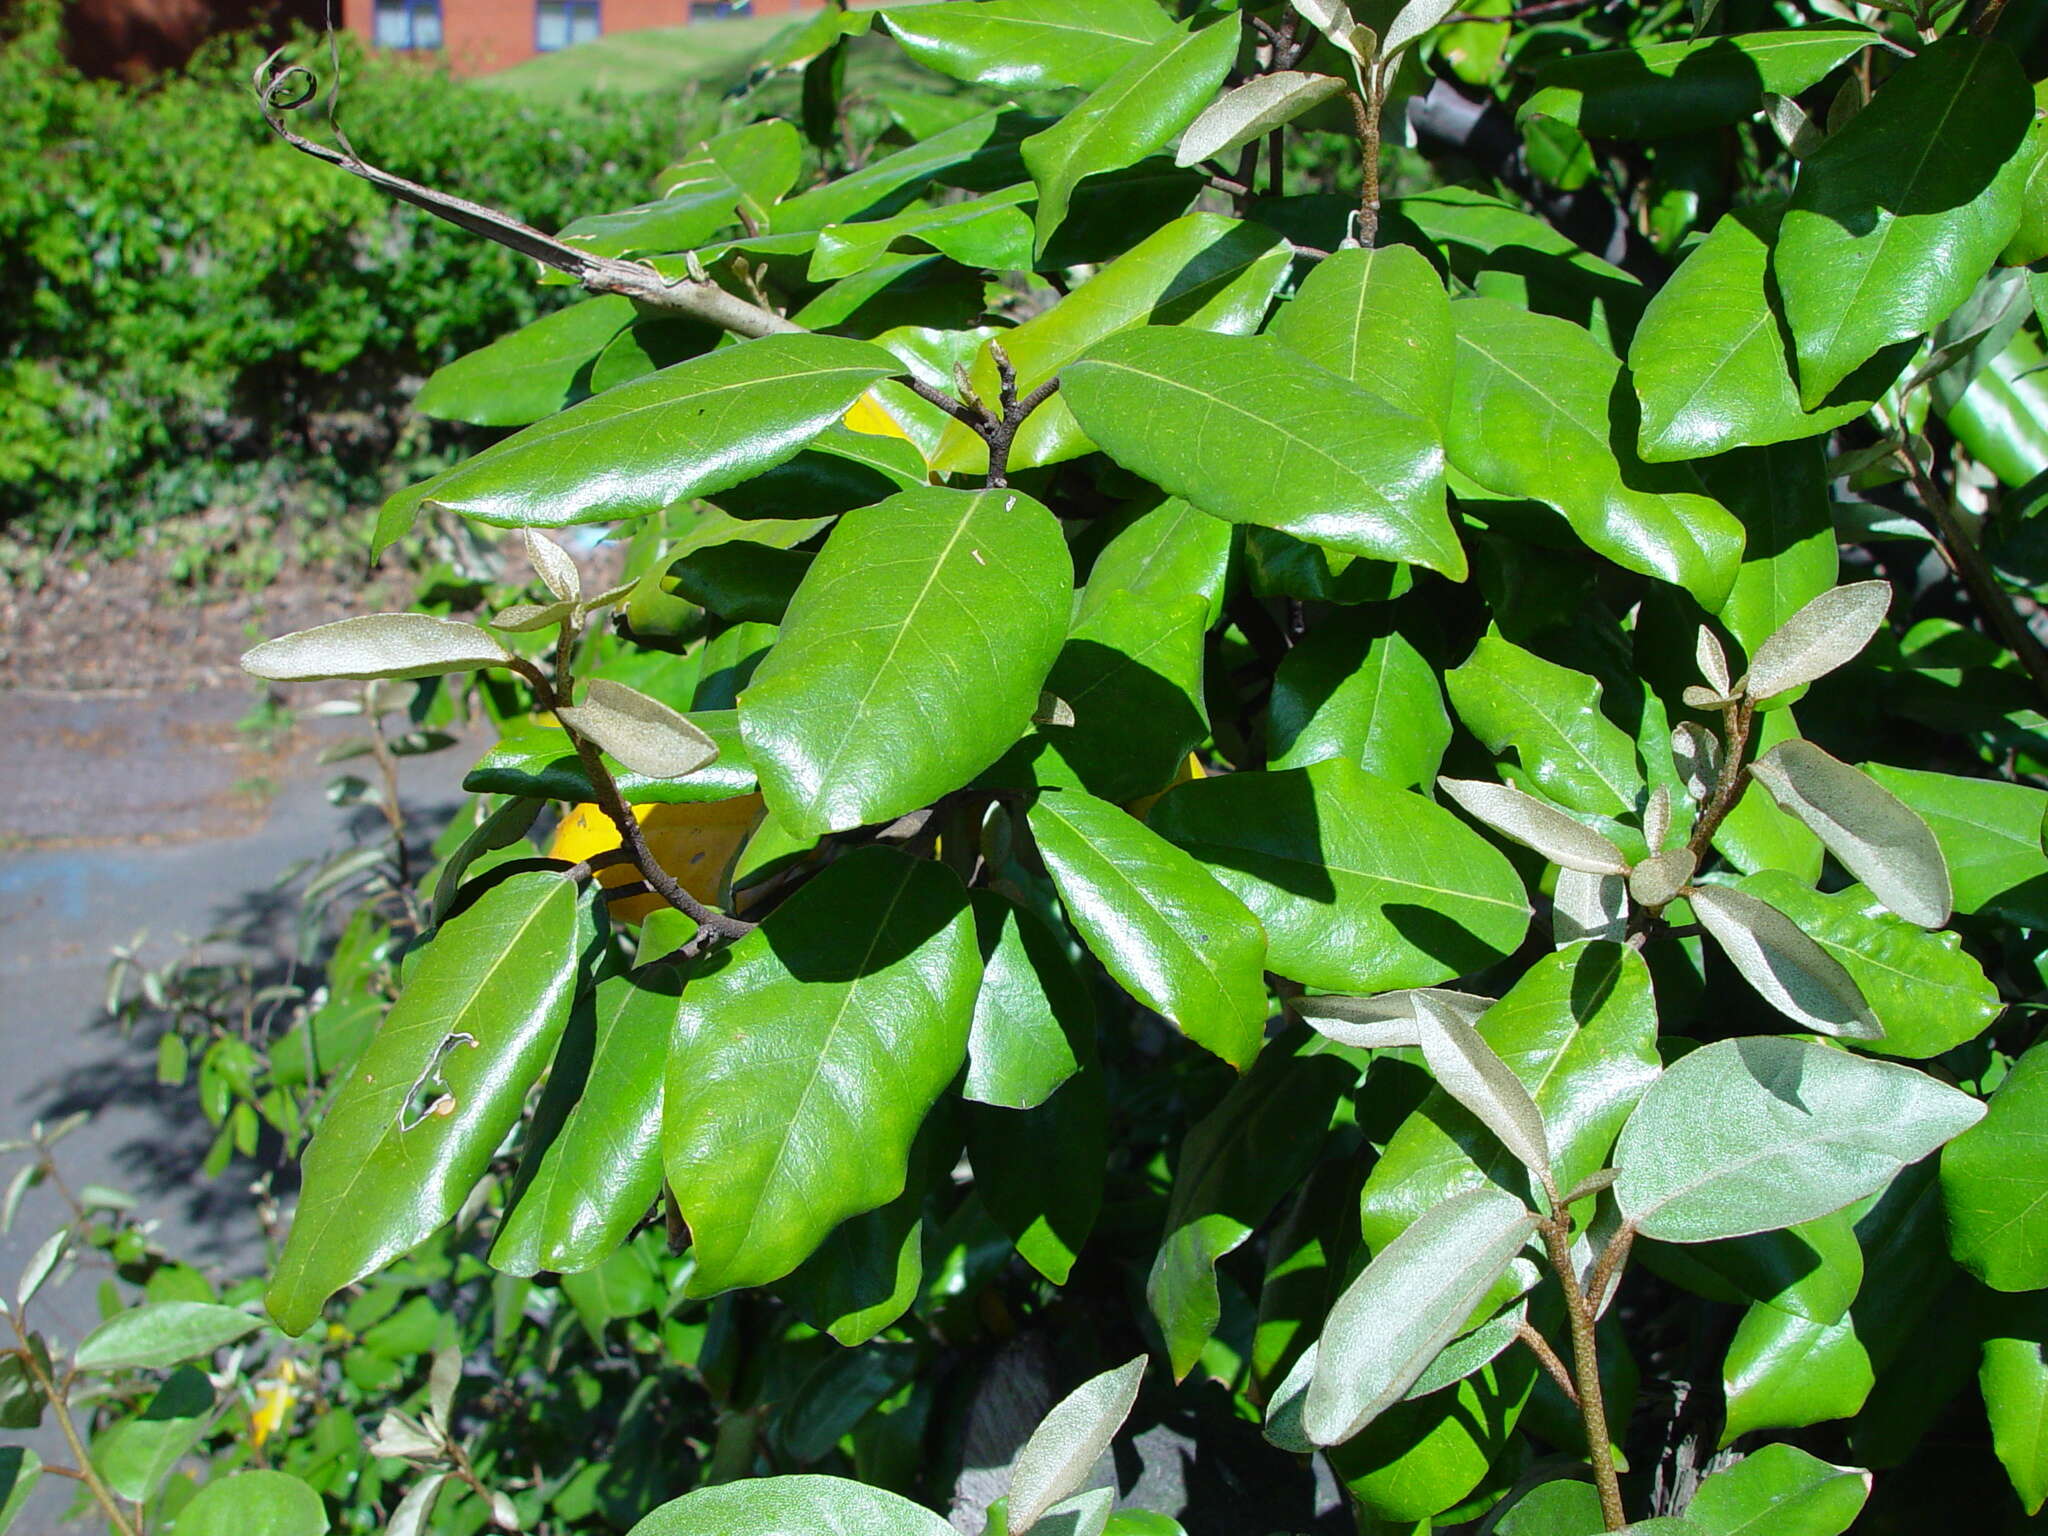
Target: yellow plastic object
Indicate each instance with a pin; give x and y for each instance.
(695, 843)
(1189, 771)
(869, 416)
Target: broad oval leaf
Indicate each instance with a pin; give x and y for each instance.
(1990, 833)
(1167, 551)
(1994, 1183)
(801, 1505)
(161, 1333)
(1656, 882)
(1791, 972)
(1251, 432)
(1783, 1371)
(1470, 1071)
(1380, 318)
(1406, 1305)
(1031, 1001)
(1666, 89)
(257, 1503)
(1063, 1449)
(689, 430)
(530, 374)
(911, 656)
(641, 732)
(2014, 1380)
(1585, 906)
(1530, 418)
(1748, 1135)
(1550, 715)
(1826, 633)
(1029, 45)
(731, 176)
(1779, 1490)
(1898, 214)
(1350, 691)
(1878, 838)
(772, 1136)
(1147, 101)
(374, 645)
(1564, 840)
(1261, 104)
(415, 1125)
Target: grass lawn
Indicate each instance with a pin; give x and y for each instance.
(712, 53)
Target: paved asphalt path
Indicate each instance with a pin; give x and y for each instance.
(151, 815)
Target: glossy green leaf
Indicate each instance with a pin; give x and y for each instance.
(884, 186)
(690, 430)
(1875, 835)
(21, 1469)
(161, 1333)
(2014, 1380)
(1148, 100)
(375, 645)
(992, 231)
(1783, 1372)
(770, 1138)
(743, 171)
(1896, 217)
(1994, 1183)
(1561, 1507)
(1530, 418)
(1550, 715)
(839, 471)
(1788, 555)
(912, 655)
(1354, 691)
(1251, 432)
(1061, 1453)
(1168, 551)
(1579, 1030)
(1032, 1003)
(1710, 360)
(254, 1504)
(801, 1505)
(137, 1454)
(1039, 1172)
(1812, 1270)
(1381, 319)
(426, 1106)
(1779, 1490)
(1788, 969)
(1664, 89)
(1252, 110)
(1202, 271)
(1030, 44)
(1745, 1135)
(538, 760)
(1424, 1457)
(1391, 1321)
(532, 373)
(1361, 885)
(740, 581)
(600, 1175)
(1235, 1166)
(1171, 935)
(1757, 835)
(1924, 988)
(1990, 837)
(644, 347)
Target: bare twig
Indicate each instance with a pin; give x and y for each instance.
(287, 88)
(1960, 550)
(1586, 1371)
(1733, 779)
(997, 427)
(1547, 1357)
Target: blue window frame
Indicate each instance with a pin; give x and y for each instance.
(718, 10)
(408, 24)
(560, 24)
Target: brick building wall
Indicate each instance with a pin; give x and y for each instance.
(484, 35)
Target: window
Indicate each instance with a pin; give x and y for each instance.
(408, 23)
(563, 22)
(714, 10)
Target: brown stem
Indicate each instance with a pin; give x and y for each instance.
(1276, 163)
(1365, 117)
(1547, 1358)
(1987, 18)
(1607, 1269)
(1733, 779)
(1586, 1371)
(87, 1473)
(1968, 562)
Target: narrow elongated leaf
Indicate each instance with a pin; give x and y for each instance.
(1559, 838)
(1406, 1305)
(415, 1125)
(1924, 988)
(1826, 633)
(642, 733)
(802, 1505)
(1530, 417)
(1390, 1019)
(162, 1333)
(1746, 1135)
(992, 231)
(1203, 272)
(532, 373)
(2014, 1380)
(1709, 359)
(1994, 1183)
(1791, 972)
(1411, 21)
(1666, 89)
(539, 761)
(1062, 1451)
(1251, 432)
(1550, 715)
(256, 1503)
(1990, 837)
(1160, 923)
(912, 654)
(1468, 1069)
(1261, 104)
(372, 645)
(690, 430)
(1380, 318)
(1877, 837)
(1348, 691)
(1361, 885)
(1030, 45)
(1147, 101)
(747, 168)
(770, 1138)
(963, 152)
(1899, 213)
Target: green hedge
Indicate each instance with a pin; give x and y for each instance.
(192, 314)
